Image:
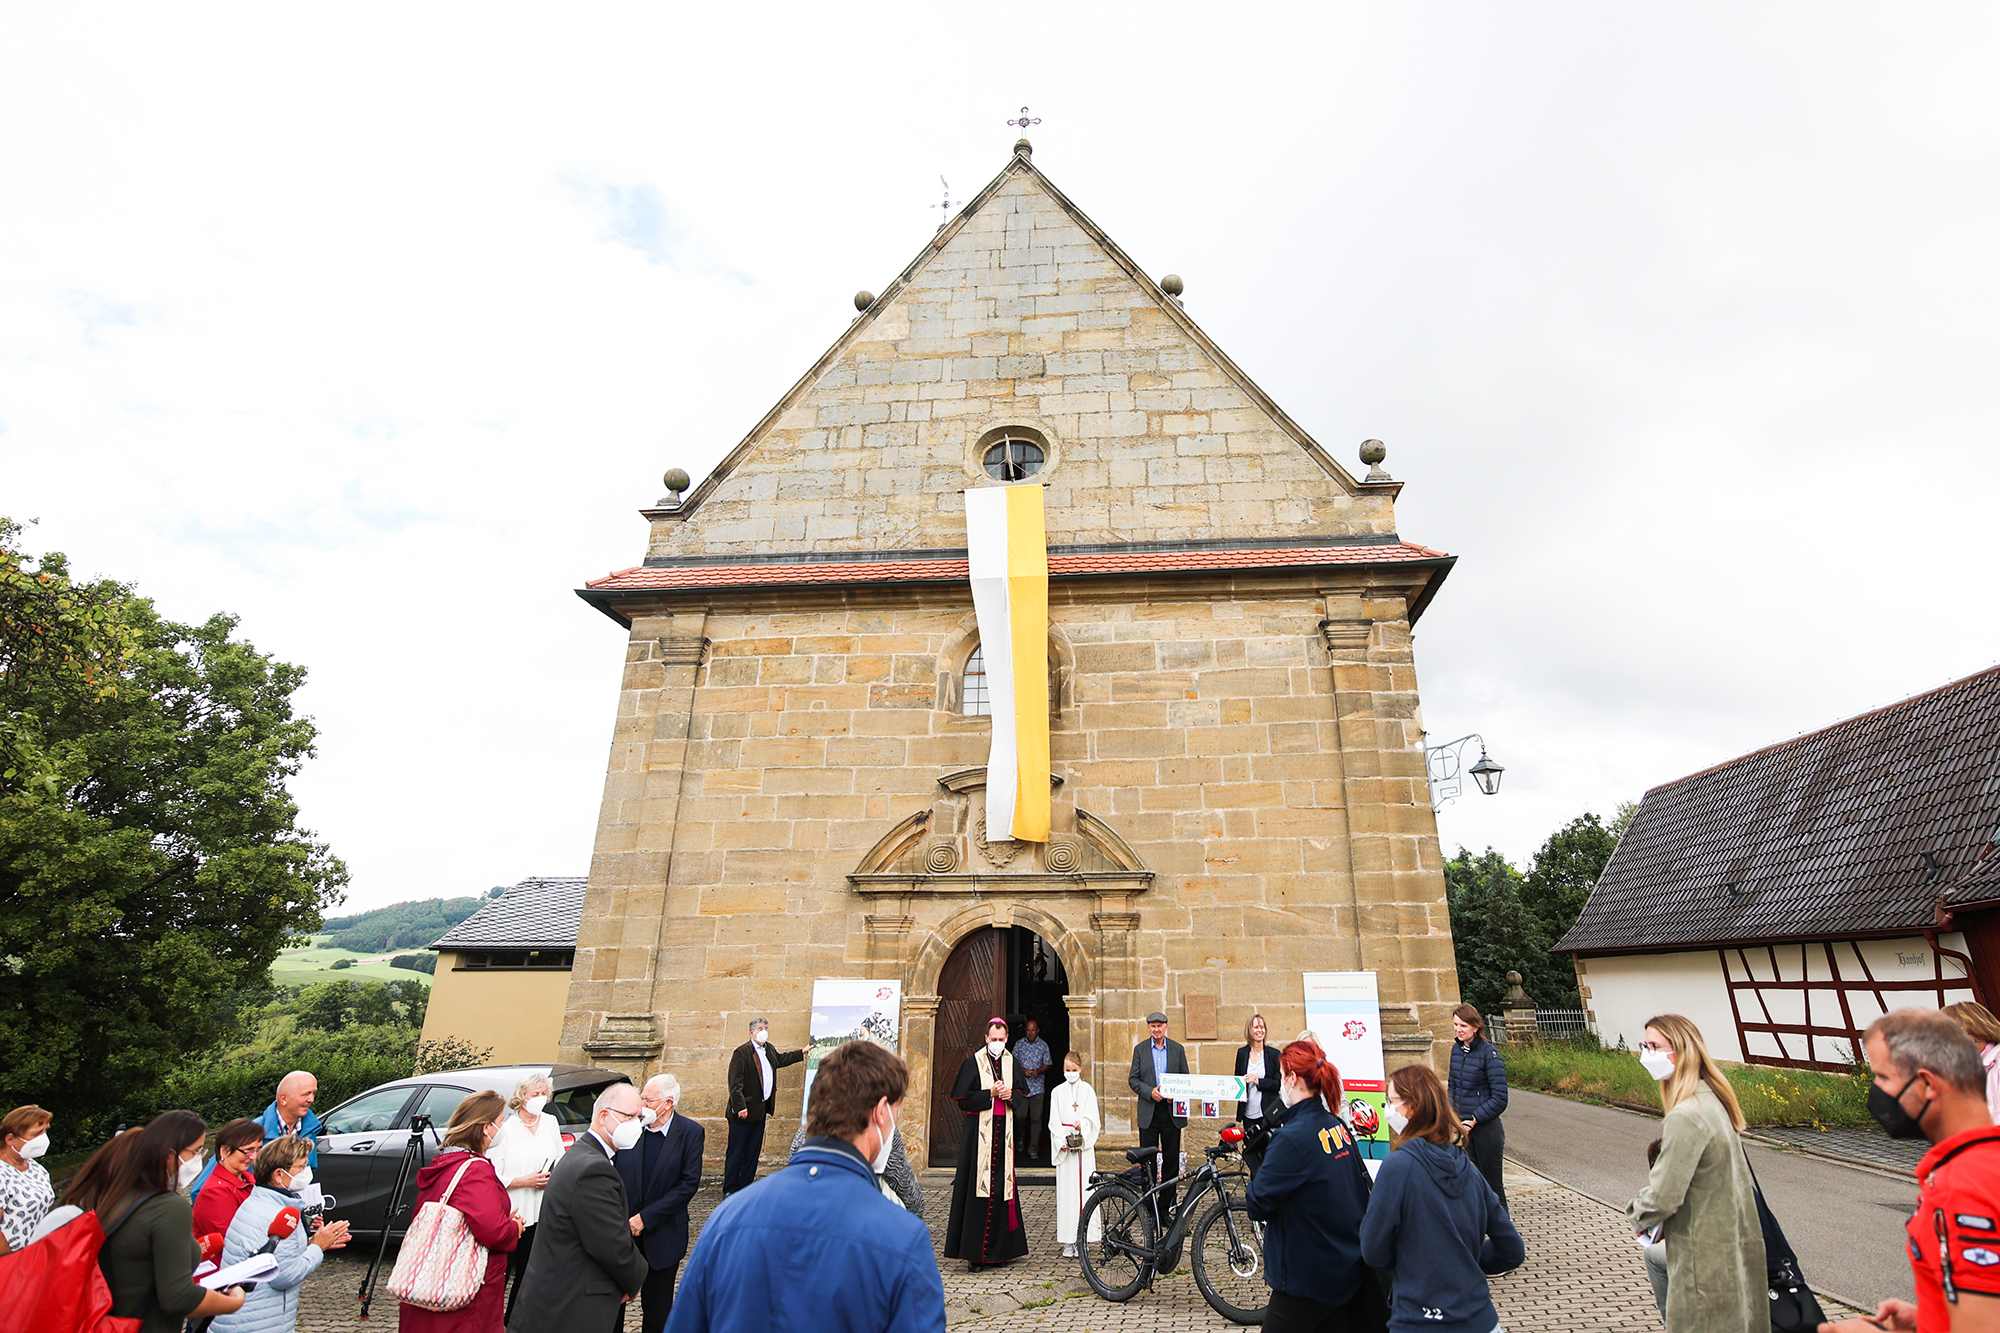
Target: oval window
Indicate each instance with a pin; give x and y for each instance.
(1012, 459)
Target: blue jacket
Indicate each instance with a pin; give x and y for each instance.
(1478, 1084)
(1436, 1221)
(814, 1248)
(1311, 1192)
(660, 1197)
(274, 1306)
(309, 1128)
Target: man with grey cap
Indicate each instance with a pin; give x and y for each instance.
(1152, 1060)
(753, 1095)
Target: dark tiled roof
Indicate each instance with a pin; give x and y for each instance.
(541, 913)
(1822, 836)
(647, 578)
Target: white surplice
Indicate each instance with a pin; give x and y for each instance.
(1073, 1106)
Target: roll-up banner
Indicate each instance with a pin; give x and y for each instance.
(1344, 1013)
(846, 1009)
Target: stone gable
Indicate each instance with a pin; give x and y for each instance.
(1021, 313)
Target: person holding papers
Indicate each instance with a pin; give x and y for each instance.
(274, 1306)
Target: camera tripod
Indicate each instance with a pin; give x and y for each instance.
(405, 1169)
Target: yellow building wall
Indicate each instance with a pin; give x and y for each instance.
(517, 1013)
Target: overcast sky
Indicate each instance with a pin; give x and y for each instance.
(376, 325)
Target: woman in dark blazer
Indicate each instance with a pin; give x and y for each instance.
(1478, 1089)
(1262, 1100)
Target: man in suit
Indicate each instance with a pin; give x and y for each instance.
(586, 1263)
(660, 1176)
(1159, 1127)
(753, 1097)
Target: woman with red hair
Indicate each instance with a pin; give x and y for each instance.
(1311, 1194)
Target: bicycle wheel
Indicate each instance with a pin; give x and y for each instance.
(1119, 1262)
(1230, 1269)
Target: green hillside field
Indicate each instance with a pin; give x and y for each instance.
(303, 967)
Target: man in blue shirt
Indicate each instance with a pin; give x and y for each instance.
(1031, 1062)
(1152, 1061)
(816, 1247)
(290, 1112)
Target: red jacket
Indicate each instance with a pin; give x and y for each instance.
(487, 1212)
(221, 1195)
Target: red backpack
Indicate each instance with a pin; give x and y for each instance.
(55, 1285)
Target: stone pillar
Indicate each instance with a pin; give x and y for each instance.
(615, 1012)
(918, 1034)
(1518, 1012)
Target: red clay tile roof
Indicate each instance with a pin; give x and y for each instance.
(1820, 837)
(657, 577)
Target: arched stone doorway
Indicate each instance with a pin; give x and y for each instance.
(1004, 970)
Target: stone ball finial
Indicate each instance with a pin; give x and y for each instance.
(1024, 148)
(1372, 453)
(676, 480)
(1513, 978)
(1172, 285)
(862, 300)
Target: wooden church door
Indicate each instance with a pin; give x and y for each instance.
(971, 989)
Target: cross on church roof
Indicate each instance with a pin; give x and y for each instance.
(948, 204)
(1026, 119)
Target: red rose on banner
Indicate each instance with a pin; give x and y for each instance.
(1355, 1030)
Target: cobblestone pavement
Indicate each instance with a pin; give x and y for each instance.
(1865, 1145)
(1583, 1275)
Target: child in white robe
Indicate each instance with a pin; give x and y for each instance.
(1073, 1110)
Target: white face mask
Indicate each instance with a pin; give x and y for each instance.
(36, 1146)
(758, 1036)
(1659, 1064)
(190, 1170)
(302, 1177)
(1290, 1094)
(995, 1048)
(1071, 1075)
(1397, 1120)
(627, 1134)
(881, 1162)
(534, 1105)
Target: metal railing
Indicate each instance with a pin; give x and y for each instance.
(1550, 1025)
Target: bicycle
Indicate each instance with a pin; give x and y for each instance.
(1228, 1248)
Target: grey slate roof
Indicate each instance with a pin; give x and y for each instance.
(540, 913)
(1821, 837)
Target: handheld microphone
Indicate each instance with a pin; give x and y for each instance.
(282, 1226)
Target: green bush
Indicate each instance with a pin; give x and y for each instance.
(1580, 1068)
(339, 963)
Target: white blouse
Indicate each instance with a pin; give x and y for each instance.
(1253, 1069)
(518, 1152)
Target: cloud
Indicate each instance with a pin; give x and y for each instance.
(639, 218)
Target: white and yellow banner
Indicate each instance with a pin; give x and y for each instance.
(1008, 548)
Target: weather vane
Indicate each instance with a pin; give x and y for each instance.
(1026, 119)
(948, 204)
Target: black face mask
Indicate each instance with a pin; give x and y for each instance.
(1889, 1113)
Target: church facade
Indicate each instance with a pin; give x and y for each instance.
(796, 785)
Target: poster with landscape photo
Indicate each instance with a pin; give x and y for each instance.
(845, 1009)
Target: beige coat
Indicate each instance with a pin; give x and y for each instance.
(1700, 1187)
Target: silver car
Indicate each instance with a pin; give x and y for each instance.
(362, 1141)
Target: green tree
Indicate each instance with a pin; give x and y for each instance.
(62, 648)
(324, 1006)
(415, 997)
(154, 866)
(1566, 869)
(1493, 933)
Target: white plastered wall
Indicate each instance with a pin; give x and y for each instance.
(1623, 992)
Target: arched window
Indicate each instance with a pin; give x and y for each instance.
(1013, 457)
(975, 701)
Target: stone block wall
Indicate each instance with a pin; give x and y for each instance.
(1253, 740)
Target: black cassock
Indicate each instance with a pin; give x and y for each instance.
(983, 1231)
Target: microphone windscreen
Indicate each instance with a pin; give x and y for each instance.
(284, 1224)
(211, 1248)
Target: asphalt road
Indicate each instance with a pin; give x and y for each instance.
(1846, 1225)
